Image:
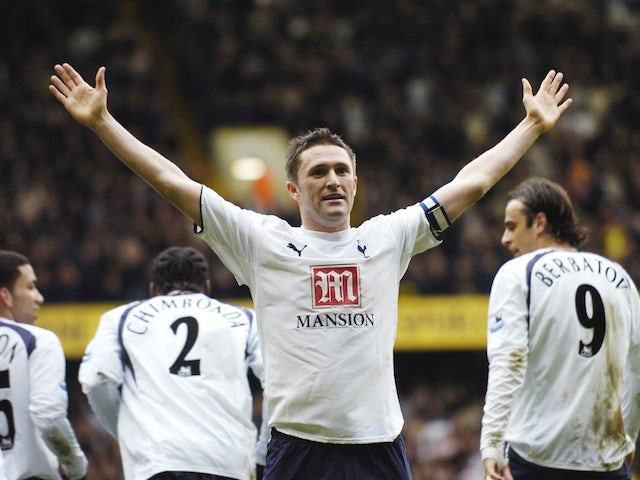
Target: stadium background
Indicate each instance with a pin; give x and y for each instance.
(417, 87)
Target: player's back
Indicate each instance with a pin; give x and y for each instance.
(582, 308)
(185, 376)
(24, 362)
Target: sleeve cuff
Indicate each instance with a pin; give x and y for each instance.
(496, 454)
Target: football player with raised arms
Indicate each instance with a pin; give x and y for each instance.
(325, 293)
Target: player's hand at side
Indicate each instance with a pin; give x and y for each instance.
(629, 458)
(85, 103)
(65, 476)
(547, 105)
(492, 472)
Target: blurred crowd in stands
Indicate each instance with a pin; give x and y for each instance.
(416, 87)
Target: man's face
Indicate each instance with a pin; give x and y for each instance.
(518, 238)
(325, 189)
(25, 297)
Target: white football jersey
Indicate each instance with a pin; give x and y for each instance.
(3, 475)
(182, 362)
(563, 326)
(327, 309)
(33, 405)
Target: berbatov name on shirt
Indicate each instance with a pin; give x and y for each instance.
(557, 265)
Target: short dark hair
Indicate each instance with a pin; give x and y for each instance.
(180, 268)
(10, 263)
(304, 141)
(539, 194)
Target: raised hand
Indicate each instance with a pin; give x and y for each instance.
(545, 107)
(85, 103)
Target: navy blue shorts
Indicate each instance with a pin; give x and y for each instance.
(187, 476)
(521, 469)
(292, 458)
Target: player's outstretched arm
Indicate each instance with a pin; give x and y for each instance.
(88, 105)
(478, 176)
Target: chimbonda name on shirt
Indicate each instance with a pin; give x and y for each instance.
(140, 317)
(549, 271)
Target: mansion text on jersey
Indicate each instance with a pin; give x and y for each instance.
(335, 320)
(551, 269)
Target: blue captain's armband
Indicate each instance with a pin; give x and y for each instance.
(436, 216)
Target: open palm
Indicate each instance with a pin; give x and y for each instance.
(546, 106)
(85, 103)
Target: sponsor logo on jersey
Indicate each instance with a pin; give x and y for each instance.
(335, 286)
(335, 320)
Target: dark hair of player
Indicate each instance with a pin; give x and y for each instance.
(542, 195)
(302, 142)
(10, 262)
(179, 268)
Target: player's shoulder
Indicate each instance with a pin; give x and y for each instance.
(612, 270)
(119, 310)
(220, 311)
(516, 270)
(400, 215)
(27, 328)
(192, 301)
(223, 305)
(599, 258)
(27, 334)
(520, 263)
(213, 201)
(32, 336)
(578, 259)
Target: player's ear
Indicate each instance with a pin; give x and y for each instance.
(292, 188)
(6, 299)
(540, 222)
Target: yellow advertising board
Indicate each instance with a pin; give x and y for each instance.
(75, 324)
(456, 322)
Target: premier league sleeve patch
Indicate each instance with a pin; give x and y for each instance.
(496, 323)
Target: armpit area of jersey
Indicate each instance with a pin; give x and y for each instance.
(437, 217)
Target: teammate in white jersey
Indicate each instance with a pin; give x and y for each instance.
(167, 376)
(564, 349)
(326, 294)
(36, 438)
